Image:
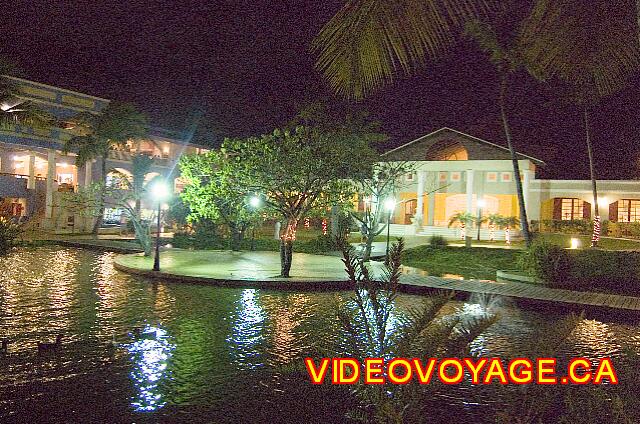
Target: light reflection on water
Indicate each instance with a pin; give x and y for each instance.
(150, 351)
(203, 351)
(247, 330)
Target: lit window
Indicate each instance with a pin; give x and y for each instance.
(628, 210)
(572, 209)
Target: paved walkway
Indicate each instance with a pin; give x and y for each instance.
(316, 272)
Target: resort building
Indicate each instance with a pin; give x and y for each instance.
(34, 170)
(457, 172)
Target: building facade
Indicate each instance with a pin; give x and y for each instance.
(34, 170)
(455, 172)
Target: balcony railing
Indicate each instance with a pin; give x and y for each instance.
(123, 155)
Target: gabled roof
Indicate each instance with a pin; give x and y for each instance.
(468, 136)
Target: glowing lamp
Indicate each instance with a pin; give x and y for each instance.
(160, 190)
(390, 205)
(254, 201)
(481, 203)
(575, 243)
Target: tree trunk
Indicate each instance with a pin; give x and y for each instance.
(142, 235)
(103, 175)
(286, 247)
(596, 228)
(235, 237)
(524, 223)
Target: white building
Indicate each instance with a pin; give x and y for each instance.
(453, 170)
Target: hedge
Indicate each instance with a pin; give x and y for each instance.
(588, 269)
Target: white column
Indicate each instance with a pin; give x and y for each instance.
(431, 209)
(526, 184)
(420, 199)
(87, 173)
(470, 190)
(51, 175)
(31, 182)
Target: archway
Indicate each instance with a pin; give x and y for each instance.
(447, 150)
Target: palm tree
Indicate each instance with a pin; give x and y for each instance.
(132, 190)
(141, 165)
(593, 46)
(118, 123)
(364, 44)
(508, 58)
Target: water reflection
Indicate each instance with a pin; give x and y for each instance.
(213, 347)
(149, 355)
(247, 331)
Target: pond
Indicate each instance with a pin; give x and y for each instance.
(138, 351)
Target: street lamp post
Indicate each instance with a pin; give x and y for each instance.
(480, 206)
(389, 206)
(160, 192)
(254, 202)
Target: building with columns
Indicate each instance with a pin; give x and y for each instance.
(453, 171)
(34, 170)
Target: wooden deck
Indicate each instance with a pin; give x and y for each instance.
(416, 283)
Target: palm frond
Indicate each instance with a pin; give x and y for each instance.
(368, 41)
(591, 45)
(25, 113)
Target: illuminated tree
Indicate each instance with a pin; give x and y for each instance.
(214, 191)
(299, 170)
(382, 183)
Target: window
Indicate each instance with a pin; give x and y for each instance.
(455, 176)
(409, 177)
(492, 177)
(572, 209)
(628, 210)
(442, 176)
(505, 177)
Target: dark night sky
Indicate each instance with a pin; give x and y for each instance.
(247, 66)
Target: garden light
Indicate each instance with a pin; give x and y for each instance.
(254, 201)
(160, 192)
(575, 243)
(390, 205)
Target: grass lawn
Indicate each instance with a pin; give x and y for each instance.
(474, 262)
(606, 243)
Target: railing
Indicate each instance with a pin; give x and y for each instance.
(126, 156)
(54, 133)
(26, 177)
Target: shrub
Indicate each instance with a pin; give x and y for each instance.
(612, 271)
(588, 269)
(576, 226)
(438, 241)
(9, 233)
(546, 261)
(624, 229)
(321, 244)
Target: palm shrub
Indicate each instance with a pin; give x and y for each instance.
(375, 329)
(438, 241)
